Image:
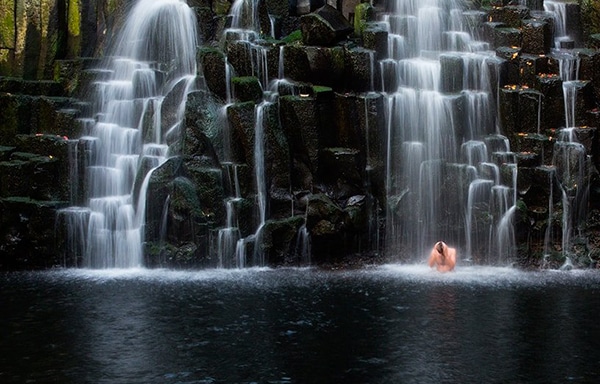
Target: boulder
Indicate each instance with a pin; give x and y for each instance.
(375, 38)
(27, 233)
(212, 62)
(241, 122)
(363, 14)
(537, 37)
(203, 128)
(325, 26)
(299, 120)
(343, 170)
(247, 88)
(278, 240)
(511, 15)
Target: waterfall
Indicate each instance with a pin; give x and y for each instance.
(444, 154)
(153, 56)
(244, 15)
(559, 11)
(259, 174)
(245, 28)
(570, 158)
(303, 245)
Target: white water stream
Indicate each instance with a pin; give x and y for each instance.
(154, 54)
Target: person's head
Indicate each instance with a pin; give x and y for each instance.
(439, 246)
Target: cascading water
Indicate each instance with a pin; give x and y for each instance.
(154, 56)
(444, 149)
(570, 159)
(558, 10)
(244, 28)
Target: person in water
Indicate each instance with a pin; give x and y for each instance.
(442, 257)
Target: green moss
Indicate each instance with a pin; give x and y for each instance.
(482, 3)
(590, 16)
(221, 7)
(244, 80)
(363, 13)
(293, 37)
(7, 29)
(210, 51)
(247, 88)
(74, 18)
(33, 202)
(338, 56)
(321, 88)
(185, 197)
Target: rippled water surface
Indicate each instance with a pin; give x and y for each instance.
(389, 324)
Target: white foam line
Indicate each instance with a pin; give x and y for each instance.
(488, 275)
(411, 273)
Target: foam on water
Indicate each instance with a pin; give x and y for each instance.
(414, 274)
(501, 277)
(158, 275)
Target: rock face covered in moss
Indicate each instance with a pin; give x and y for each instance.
(316, 85)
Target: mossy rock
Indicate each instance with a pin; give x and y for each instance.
(293, 38)
(241, 121)
(27, 233)
(208, 182)
(363, 14)
(590, 17)
(594, 41)
(212, 61)
(247, 88)
(325, 27)
(278, 238)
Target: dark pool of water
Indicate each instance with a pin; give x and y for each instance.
(391, 324)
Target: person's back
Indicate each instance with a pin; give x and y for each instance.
(442, 257)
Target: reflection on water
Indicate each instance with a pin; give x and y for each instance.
(390, 324)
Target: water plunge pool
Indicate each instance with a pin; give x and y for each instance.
(386, 324)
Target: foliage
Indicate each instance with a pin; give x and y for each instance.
(590, 16)
(74, 18)
(293, 37)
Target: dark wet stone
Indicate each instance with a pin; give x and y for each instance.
(529, 111)
(278, 240)
(537, 37)
(213, 67)
(27, 233)
(362, 70)
(594, 41)
(569, 160)
(247, 88)
(31, 87)
(532, 143)
(512, 57)
(297, 65)
(511, 15)
(553, 101)
(324, 27)
(573, 22)
(508, 37)
(452, 73)
(300, 121)
(489, 31)
(375, 38)
(338, 166)
(327, 65)
(530, 66)
(528, 159)
(242, 121)
(207, 22)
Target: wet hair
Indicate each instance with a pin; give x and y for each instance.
(439, 246)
